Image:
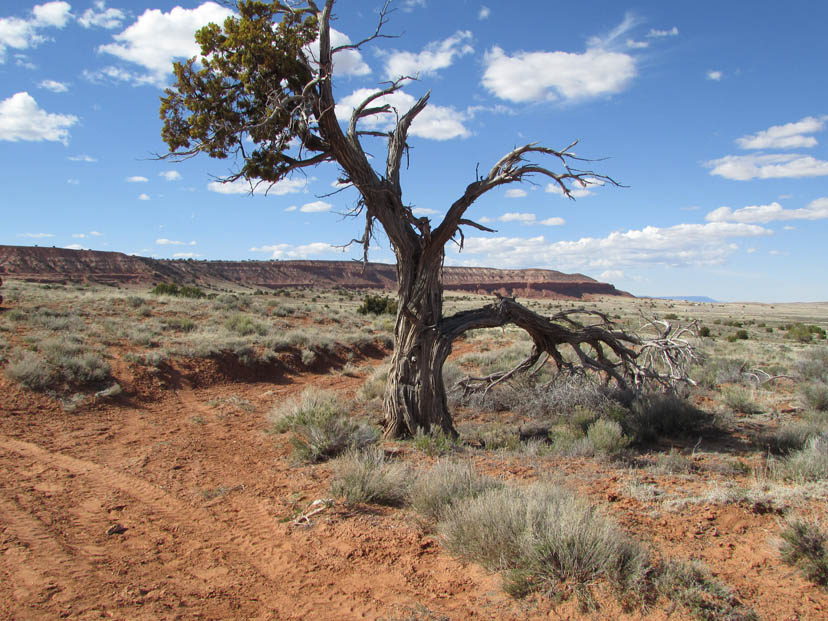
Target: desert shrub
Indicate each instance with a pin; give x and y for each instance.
(377, 305)
(787, 438)
(813, 365)
(810, 463)
(815, 395)
(244, 325)
(691, 584)
(433, 442)
(30, 370)
(717, 371)
(805, 546)
(607, 437)
(672, 462)
(804, 333)
(704, 331)
(368, 476)
(135, 301)
(542, 535)
(176, 290)
(740, 399)
(654, 415)
(320, 425)
(444, 484)
(180, 324)
(374, 386)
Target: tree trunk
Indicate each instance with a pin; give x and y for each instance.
(415, 396)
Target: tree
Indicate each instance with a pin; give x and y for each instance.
(257, 80)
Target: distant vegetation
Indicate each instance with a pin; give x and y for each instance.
(182, 291)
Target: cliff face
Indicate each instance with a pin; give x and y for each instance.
(61, 265)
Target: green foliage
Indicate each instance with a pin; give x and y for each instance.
(377, 305)
(704, 331)
(607, 437)
(369, 477)
(176, 290)
(244, 325)
(444, 484)
(433, 443)
(804, 333)
(226, 95)
(662, 415)
(810, 463)
(805, 545)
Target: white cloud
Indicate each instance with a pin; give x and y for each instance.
(657, 34)
(95, 234)
(680, 245)
(435, 122)
(102, 17)
(425, 211)
(714, 75)
(513, 216)
(611, 275)
(156, 38)
(484, 12)
(35, 235)
(22, 119)
(291, 208)
(186, 255)
(242, 186)
(550, 76)
(73, 247)
(315, 207)
(346, 62)
(79, 235)
(288, 251)
(72, 181)
(515, 193)
(788, 136)
(435, 56)
(637, 45)
(137, 179)
(771, 166)
(143, 197)
(554, 188)
(553, 222)
(81, 158)
(21, 34)
(170, 175)
(54, 86)
(172, 242)
(762, 214)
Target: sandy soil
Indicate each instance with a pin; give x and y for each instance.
(175, 503)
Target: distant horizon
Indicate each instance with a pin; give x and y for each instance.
(675, 297)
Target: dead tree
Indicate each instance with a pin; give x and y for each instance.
(259, 82)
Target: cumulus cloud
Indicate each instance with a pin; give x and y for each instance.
(562, 76)
(102, 17)
(555, 188)
(54, 86)
(22, 119)
(435, 56)
(242, 186)
(288, 251)
(170, 175)
(484, 12)
(346, 62)
(526, 219)
(515, 193)
(435, 122)
(787, 136)
(315, 207)
(20, 34)
(610, 275)
(186, 255)
(714, 75)
(143, 197)
(81, 158)
(172, 242)
(769, 166)
(157, 38)
(680, 245)
(137, 179)
(425, 211)
(73, 247)
(553, 222)
(762, 214)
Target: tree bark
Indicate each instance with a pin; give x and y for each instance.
(415, 396)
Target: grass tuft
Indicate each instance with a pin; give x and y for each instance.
(369, 477)
(805, 545)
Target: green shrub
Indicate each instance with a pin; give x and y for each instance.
(704, 331)
(369, 477)
(805, 545)
(176, 290)
(543, 535)
(607, 437)
(815, 395)
(377, 305)
(320, 425)
(740, 399)
(656, 415)
(434, 442)
(810, 463)
(444, 484)
(30, 370)
(244, 325)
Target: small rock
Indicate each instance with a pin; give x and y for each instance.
(116, 529)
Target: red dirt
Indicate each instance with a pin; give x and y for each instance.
(206, 500)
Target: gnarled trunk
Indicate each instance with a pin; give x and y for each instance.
(415, 396)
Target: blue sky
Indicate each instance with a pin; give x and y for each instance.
(713, 114)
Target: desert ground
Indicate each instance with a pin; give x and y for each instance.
(157, 463)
